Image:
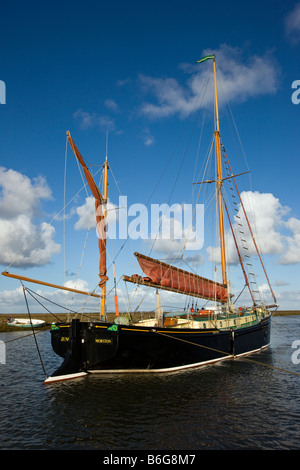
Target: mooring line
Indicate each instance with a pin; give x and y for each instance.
(21, 337)
(195, 344)
(229, 355)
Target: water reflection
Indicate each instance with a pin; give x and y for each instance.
(230, 405)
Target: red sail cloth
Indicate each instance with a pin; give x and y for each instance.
(101, 242)
(99, 213)
(185, 282)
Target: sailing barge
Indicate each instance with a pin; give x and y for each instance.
(166, 342)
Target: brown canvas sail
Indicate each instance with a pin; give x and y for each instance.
(169, 277)
(99, 200)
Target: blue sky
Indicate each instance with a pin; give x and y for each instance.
(128, 68)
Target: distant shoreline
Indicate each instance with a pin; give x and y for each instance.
(40, 315)
(54, 317)
(62, 316)
(286, 312)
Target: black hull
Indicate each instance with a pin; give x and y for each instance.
(101, 347)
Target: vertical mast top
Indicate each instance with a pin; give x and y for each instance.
(216, 97)
(219, 171)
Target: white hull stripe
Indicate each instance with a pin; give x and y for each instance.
(60, 378)
(173, 369)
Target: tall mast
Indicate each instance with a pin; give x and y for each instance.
(220, 180)
(100, 220)
(103, 292)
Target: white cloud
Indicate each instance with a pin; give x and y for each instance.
(87, 217)
(20, 195)
(292, 25)
(11, 298)
(93, 120)
(265, 214)
(268, 221)
(173, 232)
(281, 283)
(22, 240)
(292, 254)
(240, 81)
(86, 214)
(147, 137)
(171, 96)
(288, 299)
(12, 301)
(111, 104)
(79, 284)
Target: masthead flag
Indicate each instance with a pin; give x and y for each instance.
(211, 56)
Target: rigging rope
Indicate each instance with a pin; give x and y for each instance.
(64, 213)
(48, 223)
(54, 303)
(168, 163)
(228, 355)
(157, 332)
(33, 332)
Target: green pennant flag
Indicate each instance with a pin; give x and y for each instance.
(212, 56)
(113, 328)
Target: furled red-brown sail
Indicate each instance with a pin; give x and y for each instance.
(99, 200)
(169, 277)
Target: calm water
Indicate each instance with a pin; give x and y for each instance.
(232, 405)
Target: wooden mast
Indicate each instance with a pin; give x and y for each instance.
(101, 213)
(99, 200)
(103, 293)
(220, 180)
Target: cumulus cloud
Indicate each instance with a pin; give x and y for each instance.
(292, 25)
(87, 217)
(265, 214)
(12, 301)
(173, 231)
(79, 284)
(19, 194)
(86, 214)
(241, 80)
(22, 240)
(11, 298)
(269, 221)
(292, 254)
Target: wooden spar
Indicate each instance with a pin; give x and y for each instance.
(169, 266)
(28, 279)
(220, 181)
(139, 280)
(89, 178)
(165, 276)
(100, 219)
(103, 296)
(223, 179)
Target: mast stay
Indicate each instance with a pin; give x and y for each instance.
(220, 195)
(162, 275)
(171, 278)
